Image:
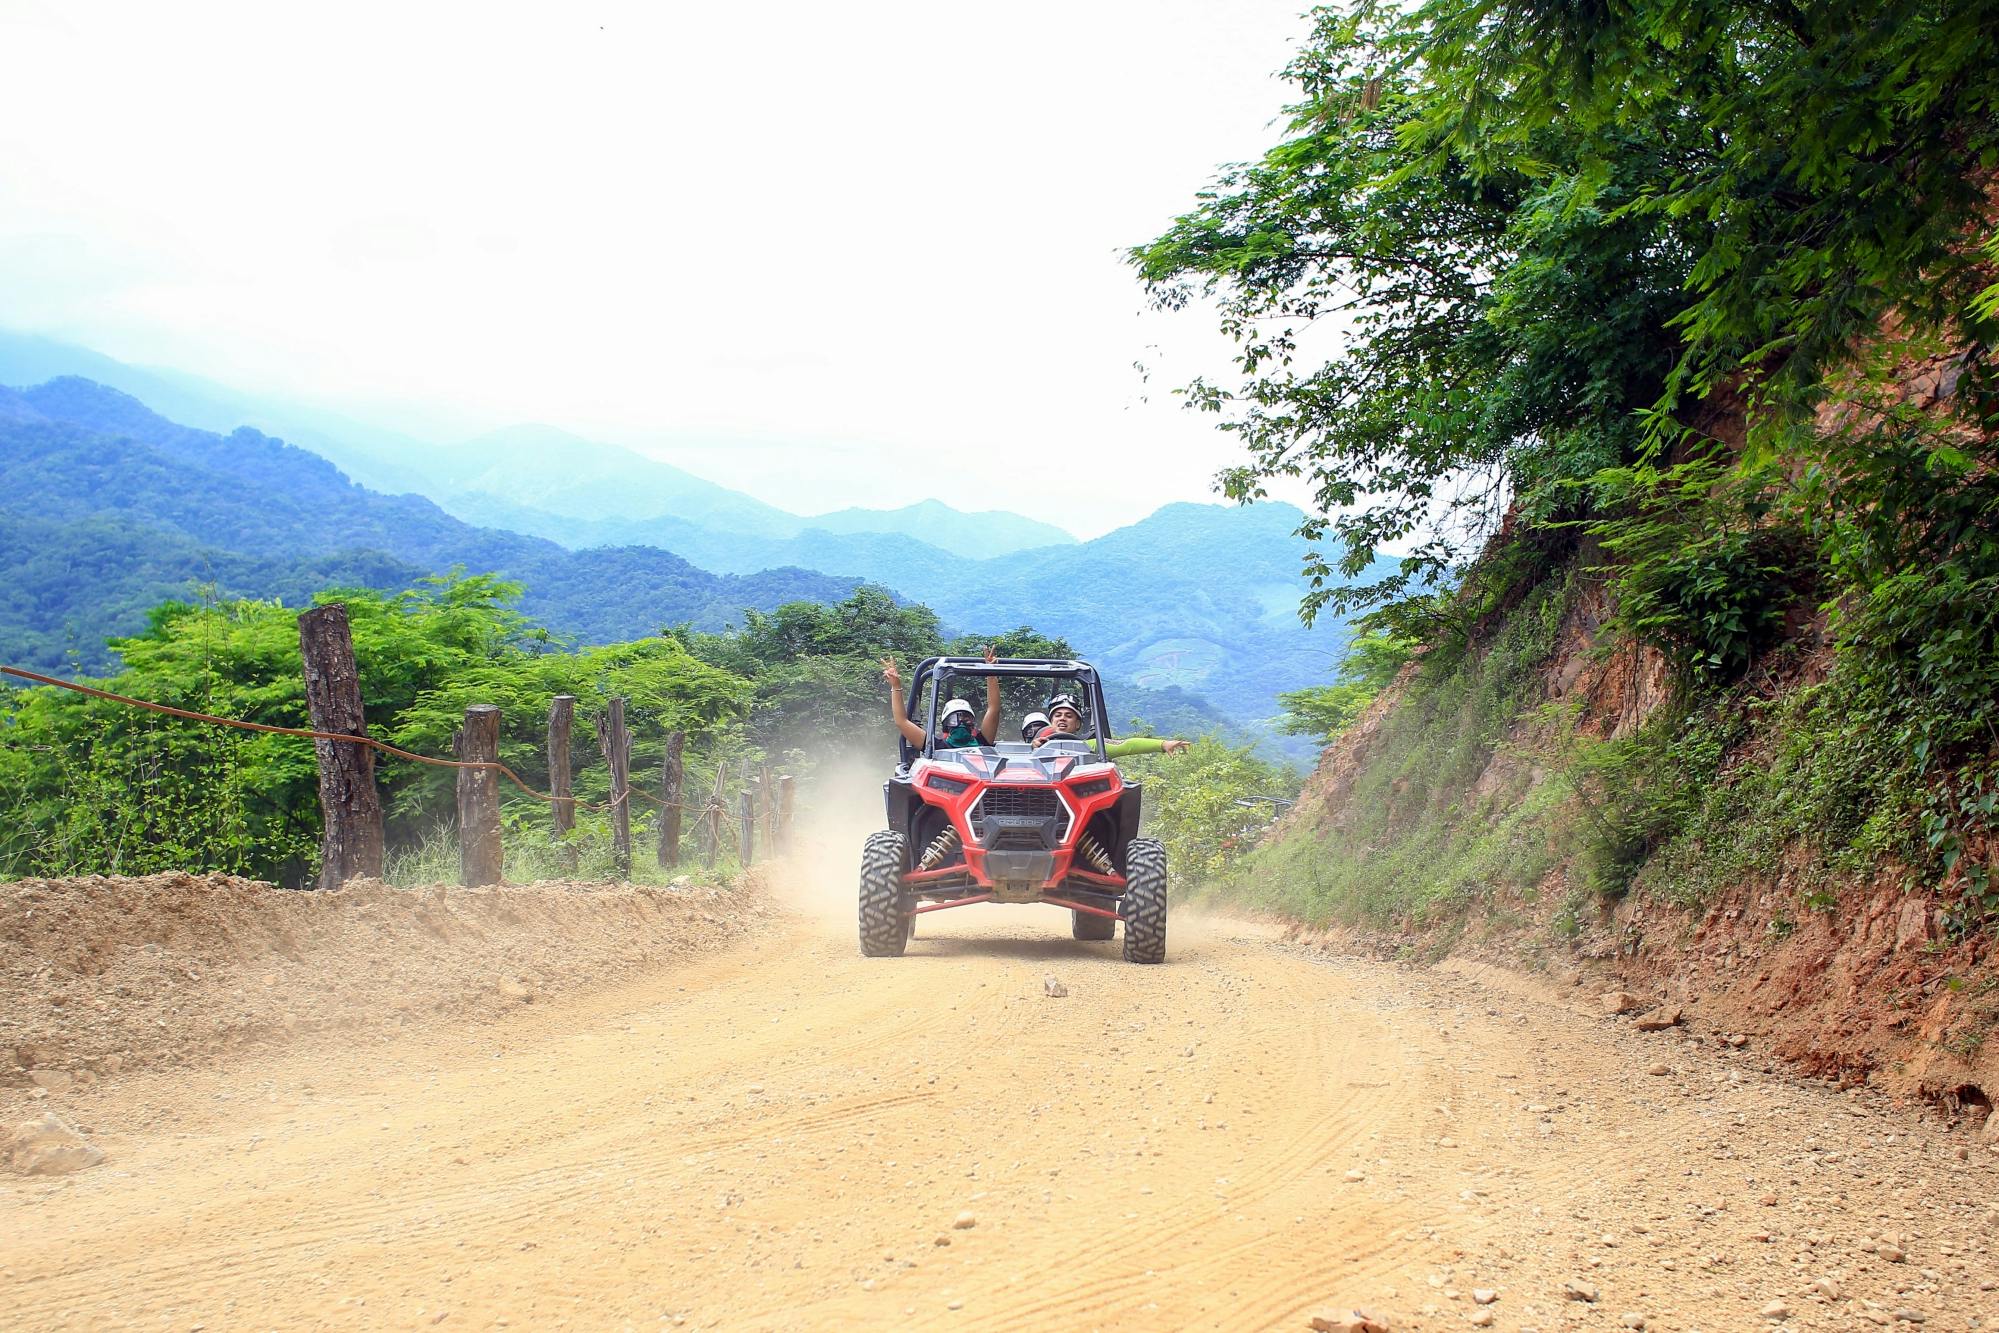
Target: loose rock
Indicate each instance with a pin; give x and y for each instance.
(1775, 1310)
(46, 1146)
(1658, 1020)
(964, 1221)
(1579, 1291)
(57, 1081)
(1353, 1321)
(1621, 1002)
(1053, 989)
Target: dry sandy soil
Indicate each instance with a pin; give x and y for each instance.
(758, 1129)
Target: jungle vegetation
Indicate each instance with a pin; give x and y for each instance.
(1696, 297)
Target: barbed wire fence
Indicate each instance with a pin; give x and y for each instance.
(353, 842)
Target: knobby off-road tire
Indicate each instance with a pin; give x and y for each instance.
(1144, 903)
(1087, 927)
(884, 930)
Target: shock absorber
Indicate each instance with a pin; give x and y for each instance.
(1093, 852)
(939, 850)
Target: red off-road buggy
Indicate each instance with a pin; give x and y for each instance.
(1009, 823)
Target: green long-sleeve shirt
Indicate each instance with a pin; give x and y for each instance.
(1135, 745)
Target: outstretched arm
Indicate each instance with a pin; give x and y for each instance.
(990, 729)
(897, 712)
(1144, 745)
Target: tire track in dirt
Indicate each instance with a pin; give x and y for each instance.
(667, 1150)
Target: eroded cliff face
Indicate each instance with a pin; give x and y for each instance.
(1854, 977)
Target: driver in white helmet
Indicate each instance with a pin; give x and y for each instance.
(955, 729)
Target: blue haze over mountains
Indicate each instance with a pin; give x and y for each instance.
(121, 486)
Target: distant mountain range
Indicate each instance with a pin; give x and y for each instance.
(581, 492)
(1202, 597)
(107, 509)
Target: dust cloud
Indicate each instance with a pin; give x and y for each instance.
(840, 804)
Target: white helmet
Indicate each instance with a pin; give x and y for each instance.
(1067, 701)
(954, 707)
(1031, 725)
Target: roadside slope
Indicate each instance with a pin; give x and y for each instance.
(103, 975)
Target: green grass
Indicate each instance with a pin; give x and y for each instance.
(1415, 845)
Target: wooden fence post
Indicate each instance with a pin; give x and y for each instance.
(713, 815)
(749, 842)
(480, 856)
(767, 805)
(784, 794)
(561, 717)
(616, 743)
(352, 809)
(672, 778)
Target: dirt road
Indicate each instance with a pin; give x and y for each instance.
(790, 1136)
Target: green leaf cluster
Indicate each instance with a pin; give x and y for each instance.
(98, 787)
(1372, 660)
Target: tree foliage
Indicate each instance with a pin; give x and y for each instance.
(1324, 711)
(1210, 804)
(1536, 236)
(96, 786)
(1703, 288)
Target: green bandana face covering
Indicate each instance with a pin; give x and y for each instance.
(960, 736)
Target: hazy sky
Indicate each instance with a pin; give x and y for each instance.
(829, 254)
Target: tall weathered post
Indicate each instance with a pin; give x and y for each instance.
(561, 786)
(561, 718)
(712, 848)
(616, 742)
(749, 841)
(672, 779)
(767, 805)
(480, 857)
(784, 795)
(351, 845)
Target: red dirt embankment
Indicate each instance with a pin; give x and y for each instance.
(1864, 986)
(109, 974)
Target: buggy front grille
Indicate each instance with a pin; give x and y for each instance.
(1021, 818)
(1023, 802)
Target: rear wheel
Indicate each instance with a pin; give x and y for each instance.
(884, 927)
(1144, 902)
(1088, 926)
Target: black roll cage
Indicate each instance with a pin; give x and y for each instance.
(1058, 668)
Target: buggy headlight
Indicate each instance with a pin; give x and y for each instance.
(1094, 787)
(950, 786)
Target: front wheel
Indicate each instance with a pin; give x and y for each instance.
(1144, 903)
(885, 930)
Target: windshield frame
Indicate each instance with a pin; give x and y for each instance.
(1081, 674)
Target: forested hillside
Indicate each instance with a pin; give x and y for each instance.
(1673, 372)
(1196, 597)
(527, 478)
(109, 509)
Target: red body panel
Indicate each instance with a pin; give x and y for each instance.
(957, 804)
